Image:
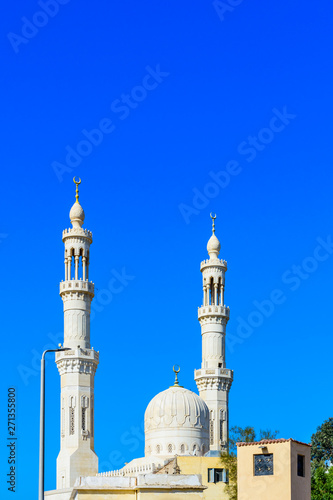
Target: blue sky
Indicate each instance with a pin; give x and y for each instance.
(167, 112)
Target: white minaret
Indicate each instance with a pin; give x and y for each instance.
(214, 379)
(77, 366)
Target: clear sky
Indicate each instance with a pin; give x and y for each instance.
(167, 111)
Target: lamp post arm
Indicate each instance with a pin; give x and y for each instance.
(42, 421)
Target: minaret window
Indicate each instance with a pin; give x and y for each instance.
(84, 406)
(92, 417)
(182, 448)
(71, 421)
(72, 415)
(62, 417)
(158, 449)
(170, 448)
(211, 427)
(211, 289)
(83, 419)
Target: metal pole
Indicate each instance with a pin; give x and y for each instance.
(42, 428)
(42, 421)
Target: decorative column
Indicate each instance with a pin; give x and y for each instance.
(77, 366)
(214, 379)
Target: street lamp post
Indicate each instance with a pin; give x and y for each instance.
(42, 420)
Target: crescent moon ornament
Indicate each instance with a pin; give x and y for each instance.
(213, 217)
(77, 188)
(176, 369)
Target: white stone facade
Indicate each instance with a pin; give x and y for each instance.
(78, 365)
(214, 379)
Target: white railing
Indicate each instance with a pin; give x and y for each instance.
(149, 468)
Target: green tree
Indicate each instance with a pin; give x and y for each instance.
(322, 482)
(229, 460)
(322, 462)
(322, 442)
(248, 435)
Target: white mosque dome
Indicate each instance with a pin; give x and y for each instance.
(76, 215)
(176, 422)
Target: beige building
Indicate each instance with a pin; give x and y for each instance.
(277, 469)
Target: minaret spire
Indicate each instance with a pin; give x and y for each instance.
(78, 365)
(214, 379)
(77, 183)
(213, 217)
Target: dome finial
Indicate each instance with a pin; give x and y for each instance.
(76, 214)
(77, 189)
(213, 217)
(213, 246)
(176, 369)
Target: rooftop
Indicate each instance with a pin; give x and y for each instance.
(271, 441)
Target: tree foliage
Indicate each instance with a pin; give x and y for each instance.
(322, 482)
(322, 442)
(248, 435)
(322, 462)
(229, 461)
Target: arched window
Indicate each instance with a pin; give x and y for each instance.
(211, 291)
(158, 449)
(182, 448)
(170, 447)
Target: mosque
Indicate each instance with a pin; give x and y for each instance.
(185, 433)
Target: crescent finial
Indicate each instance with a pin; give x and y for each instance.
(77, 188)
(176, 369)
(213, 217)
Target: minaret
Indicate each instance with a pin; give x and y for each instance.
(76, 366)
(214, 379)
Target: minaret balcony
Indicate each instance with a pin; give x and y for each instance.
(213, 379)
(79, 360)
(213, 310)
(77, 232)
(79, 352)
(77, 285)
(218, 263)
(213, 372)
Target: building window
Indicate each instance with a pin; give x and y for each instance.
(71, 421)
(218, 475)
(169, 448)
(158, 449)
(182, 448)
(263, 465)
(92, 416)
(211, 431)
(83, 419)
(301, 465)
